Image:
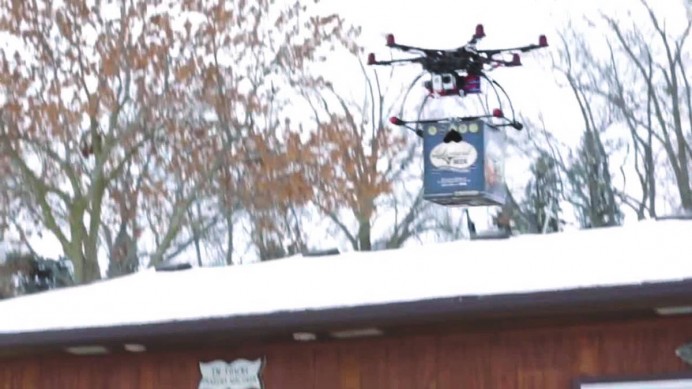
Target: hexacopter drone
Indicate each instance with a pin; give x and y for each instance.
(458, 72)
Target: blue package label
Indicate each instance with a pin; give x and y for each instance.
(464, 163)
(453, 162)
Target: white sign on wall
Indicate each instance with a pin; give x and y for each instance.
(653, 384)
(238, 374)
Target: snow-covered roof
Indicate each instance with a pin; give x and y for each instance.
(644, 252)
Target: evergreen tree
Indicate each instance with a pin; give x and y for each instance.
(541, 204)
(592, 191)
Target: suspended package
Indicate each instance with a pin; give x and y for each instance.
(464, 164)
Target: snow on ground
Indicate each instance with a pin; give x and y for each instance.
(647, 251)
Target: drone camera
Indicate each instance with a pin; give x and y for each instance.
(444, 83)
(480, 32)
(542, 41)
(390, 40)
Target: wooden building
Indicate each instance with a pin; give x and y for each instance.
(572, 310)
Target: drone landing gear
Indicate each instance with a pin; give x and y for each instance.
(497, 114)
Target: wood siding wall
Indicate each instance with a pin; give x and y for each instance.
(536, 358)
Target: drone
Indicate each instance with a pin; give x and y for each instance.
(458, 72)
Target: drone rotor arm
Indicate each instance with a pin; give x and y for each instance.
(511, 123)
(408, 48)
(392, 44)
(522, 49)
(502, 62)
(527, 48)
(492, 52)
(397, 61)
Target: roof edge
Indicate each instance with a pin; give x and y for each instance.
(556, 303)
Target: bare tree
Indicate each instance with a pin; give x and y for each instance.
(249, 91)
(664, 110)
(122, 247)
(67, 108)
(278, 191)
(645, 82)
(588, 168)
(542, 198)
(640, 126)
(361, 161)
(109, 87)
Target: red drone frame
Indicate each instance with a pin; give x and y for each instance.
(458, 72)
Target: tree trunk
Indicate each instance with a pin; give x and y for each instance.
(364, 242)
(198, 250)
(74, 254)
(196, 236)
(229, 238)
(92, 271)
(651, 178)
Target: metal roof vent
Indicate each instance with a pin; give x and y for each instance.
(322, 253)
(491, 234)
(173, 266)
